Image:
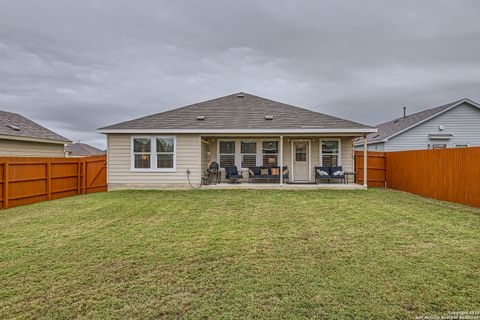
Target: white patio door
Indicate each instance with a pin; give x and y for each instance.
(300, 160)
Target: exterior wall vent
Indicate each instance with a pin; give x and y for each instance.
(268, 117)
(201, 118)
(13, 127)
(240, 95)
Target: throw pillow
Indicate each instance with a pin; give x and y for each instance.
(250, 171)
(285, 172)
(338, 173)
(276, 171)
(322, 173)
(264, 172)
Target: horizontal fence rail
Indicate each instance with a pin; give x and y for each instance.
(25, 180)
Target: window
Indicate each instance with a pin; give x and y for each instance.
(142, 148)
(270, 153)
(461, 146)
(153, 153)
(227, 153)
(330, 153)
(165, 153)
(439, 146)
(248, 150)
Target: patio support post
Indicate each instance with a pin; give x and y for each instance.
(281, 160)
(365, 154)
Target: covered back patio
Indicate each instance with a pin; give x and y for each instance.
(259, 159)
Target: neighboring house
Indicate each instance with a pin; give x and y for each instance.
(240, 129)
(21, 137)
(454, 125)
(82, 150)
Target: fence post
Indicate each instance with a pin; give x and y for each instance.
(84, 169)
(49, 180)
(79, 177)
(5, 185)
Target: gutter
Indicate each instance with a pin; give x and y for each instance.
(205, 131)
(30, 139)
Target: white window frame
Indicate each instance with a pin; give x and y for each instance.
(467, 145)
(153, 154)
(278, 150)
(235, 154)
(339, 155)
(248, 154)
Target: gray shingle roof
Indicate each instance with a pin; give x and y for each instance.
(235, 112)
(9, 122)
(387, 129)
(82, 149)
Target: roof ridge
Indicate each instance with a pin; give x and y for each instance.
(426, 110)
(276, 104)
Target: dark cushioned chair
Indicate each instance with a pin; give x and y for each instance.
(335, 169)
(330, 171)
(318, 176)
(231, 173)
(257, 176)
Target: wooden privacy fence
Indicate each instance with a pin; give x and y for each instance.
(444, 174)
(376, 168)
(29, 180)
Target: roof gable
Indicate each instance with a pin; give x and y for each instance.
(82, 149)
(15, 125)
(238, 111)
(397, 126)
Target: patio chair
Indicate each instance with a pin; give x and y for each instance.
(231, 173)
(337, 173)
(322, 173)
(213, 173)
(254, 174)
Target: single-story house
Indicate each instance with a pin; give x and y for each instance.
(80, 149)
(22, 137)
(171, 148)
(453, 125)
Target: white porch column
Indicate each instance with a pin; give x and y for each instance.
(281, 160)
(365, 154)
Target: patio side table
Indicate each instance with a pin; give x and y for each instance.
(349, 173)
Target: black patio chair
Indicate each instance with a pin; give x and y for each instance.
(213, 173)
(320, 174)
(231, 173)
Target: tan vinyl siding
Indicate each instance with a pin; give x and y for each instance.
(17, 148)
(347, 154)
(120, 175)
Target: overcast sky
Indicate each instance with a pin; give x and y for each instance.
(74, 66)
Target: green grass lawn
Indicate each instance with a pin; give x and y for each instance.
(333, 254)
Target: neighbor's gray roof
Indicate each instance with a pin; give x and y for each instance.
(387, 129)
(82, 149)
(234, 112)
(27, 128)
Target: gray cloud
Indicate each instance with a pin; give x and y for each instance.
(75, 66)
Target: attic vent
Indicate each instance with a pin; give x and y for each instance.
(201, 118)
(240, 95)
(268, 117)
(14, 127)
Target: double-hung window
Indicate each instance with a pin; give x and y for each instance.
(226, 151)
(330, 153)
(248, 149)
(153, 153)
(270, 153)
